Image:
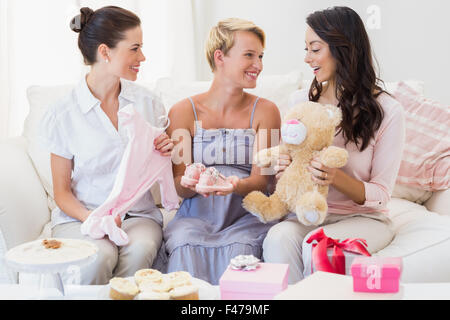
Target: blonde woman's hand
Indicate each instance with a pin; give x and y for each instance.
(192, 188)
(234, 180)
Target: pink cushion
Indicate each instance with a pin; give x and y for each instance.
(426, 157)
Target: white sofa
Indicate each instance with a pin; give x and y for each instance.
(421, 220)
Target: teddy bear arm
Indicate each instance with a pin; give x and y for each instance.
(266, 157)
(334, 157)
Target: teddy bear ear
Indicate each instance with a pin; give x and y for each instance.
(334, 113)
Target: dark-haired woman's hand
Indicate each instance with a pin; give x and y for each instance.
(321, 174)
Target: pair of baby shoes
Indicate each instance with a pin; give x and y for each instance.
(206, 180)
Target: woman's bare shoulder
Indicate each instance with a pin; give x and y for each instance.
(181, 114)
(182, 107)
(267, 114)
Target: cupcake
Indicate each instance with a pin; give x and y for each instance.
(147, 275)
(122, 289)
(153, 295)
(186, 292)
(179, 278)
(160, 285)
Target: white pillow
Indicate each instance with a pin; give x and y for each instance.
(276, 88)
(411, 193)
(171, 91)
(415, 84)
(40, 99)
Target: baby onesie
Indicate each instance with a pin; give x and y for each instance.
(141, 166)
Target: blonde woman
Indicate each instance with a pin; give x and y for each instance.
(223, 124)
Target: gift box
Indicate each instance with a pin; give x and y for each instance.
(348, 257)
(376, 274)
(262, 283)
(333, 255)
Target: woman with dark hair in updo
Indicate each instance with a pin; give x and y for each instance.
(372, 131)
(86, 143)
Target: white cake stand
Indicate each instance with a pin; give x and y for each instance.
(29, 265)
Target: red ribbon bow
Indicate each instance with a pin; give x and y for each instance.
(337, 265)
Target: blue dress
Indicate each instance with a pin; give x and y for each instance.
(207, 232)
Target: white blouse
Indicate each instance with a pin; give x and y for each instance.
(77, 128)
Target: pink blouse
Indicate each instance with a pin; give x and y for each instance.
(377, 166)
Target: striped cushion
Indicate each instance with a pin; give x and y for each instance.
(426, 157)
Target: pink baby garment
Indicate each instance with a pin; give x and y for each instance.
(140, 167)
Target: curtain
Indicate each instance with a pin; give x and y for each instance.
(37, 47)
(4, 70)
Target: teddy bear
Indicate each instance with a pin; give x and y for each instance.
(307, 132)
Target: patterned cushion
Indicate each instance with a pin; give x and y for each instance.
(426, 157)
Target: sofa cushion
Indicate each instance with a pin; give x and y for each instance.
(416, 231)
(411, 193)
(23, 201)
(426, 157)
(439, 202)
(39, 99)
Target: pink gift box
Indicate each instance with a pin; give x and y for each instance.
(264, 283)
(376, 274)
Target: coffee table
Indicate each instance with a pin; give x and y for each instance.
(30, 292)
(318, 286)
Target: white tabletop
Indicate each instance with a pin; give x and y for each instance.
(28, 292)
(331, 287)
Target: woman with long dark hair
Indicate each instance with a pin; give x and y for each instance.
(372, 131)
